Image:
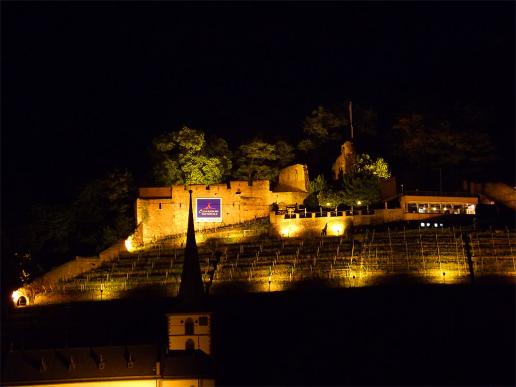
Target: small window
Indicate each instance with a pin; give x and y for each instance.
(189, 327)
(203, 321)
(160, 206)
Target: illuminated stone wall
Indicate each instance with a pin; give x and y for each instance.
(163, 211)
(306, 227)
(293, 179)
(162, 217)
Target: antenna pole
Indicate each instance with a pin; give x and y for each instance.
(351, 118)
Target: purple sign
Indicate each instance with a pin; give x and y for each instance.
(208, 209)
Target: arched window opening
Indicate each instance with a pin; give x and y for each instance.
(189, 326)
(22, 301)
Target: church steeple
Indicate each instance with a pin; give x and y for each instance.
(191, 288)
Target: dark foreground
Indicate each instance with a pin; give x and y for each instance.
(390, 335)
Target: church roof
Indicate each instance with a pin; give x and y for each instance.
(80, 364)
(191, 288)
(83, 364)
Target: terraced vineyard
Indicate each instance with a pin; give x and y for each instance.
(369, 257)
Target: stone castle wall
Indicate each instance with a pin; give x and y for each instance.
(161, 212)
(293, 179)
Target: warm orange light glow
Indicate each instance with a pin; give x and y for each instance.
(17, 294)
(337, 228)
(129, 244)
(289, 231)
(445, 277)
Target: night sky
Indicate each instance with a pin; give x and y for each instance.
(86, 86)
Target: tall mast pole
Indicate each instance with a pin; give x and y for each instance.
(351, 118)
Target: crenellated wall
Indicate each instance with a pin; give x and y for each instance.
(163, 211)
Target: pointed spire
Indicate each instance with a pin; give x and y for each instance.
(191, 288)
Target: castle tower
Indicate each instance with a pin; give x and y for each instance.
(190, 330)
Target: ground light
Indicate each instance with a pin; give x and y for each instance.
(20, 298)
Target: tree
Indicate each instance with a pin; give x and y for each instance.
(360, 189)
(329, 197)
(100, 215)
(440, 145)
(366, 165)
(324, 125)
(326, 129)
(185, 157)
(259, 159)
(360, 186)
(316, 186)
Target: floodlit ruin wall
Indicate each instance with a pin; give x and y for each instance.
(312, 225)
(282, 226)
(162, 212)
(240, 202)
(293, 179)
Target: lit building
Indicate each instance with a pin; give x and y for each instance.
(438, 203)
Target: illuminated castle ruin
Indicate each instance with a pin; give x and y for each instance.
(161, 212)
(265, 239)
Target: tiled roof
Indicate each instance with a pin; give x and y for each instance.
(80, 364)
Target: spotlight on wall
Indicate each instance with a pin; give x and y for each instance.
(288, 231)
(337, 228)
(129, 245)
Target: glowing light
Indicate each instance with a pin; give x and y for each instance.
(422, 224)
(289, 230)
(328, 204)
(129, 244)
(273, 286)
(444, 277)
(337, 228)
(17, 294)
(359, 202)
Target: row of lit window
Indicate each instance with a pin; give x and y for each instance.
(441, 208)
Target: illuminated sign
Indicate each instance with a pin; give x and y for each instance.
(208, 209)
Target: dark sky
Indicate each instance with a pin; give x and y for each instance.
(85, 86)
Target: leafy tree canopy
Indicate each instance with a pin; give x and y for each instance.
(258, 159)
(101, 214)
(359, 187)
(440, 145)
(318, 184)
(321, 127)
(325, 130)
(187, 157)
(366, 165)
